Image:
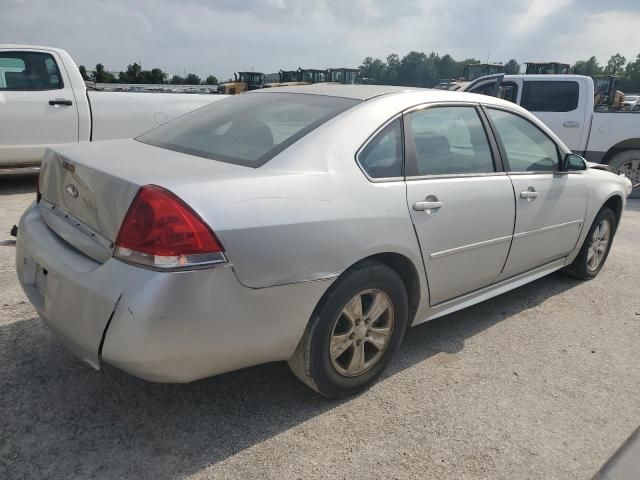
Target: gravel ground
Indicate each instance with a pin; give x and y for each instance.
(542, 382)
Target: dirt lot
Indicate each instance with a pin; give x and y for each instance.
(542, 382)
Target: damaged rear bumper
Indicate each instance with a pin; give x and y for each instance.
(160, 326)
(65, 285)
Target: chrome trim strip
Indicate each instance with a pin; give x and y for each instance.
(456, 175)
(465, 248)
(547, 229)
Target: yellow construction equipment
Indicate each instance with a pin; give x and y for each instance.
(243, 82)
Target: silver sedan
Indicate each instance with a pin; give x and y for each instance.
(311, 224)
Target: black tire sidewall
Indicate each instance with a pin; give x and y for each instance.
(327, 380)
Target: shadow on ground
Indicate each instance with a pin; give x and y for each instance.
(17, 183)
(60, 419)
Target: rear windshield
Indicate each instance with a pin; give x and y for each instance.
(247, 129)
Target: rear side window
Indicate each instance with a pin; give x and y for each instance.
(247, 129)
(448, 140)
(382, 156)
(546, 96)
(28, 71)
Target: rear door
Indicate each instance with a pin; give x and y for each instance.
(460, 201)
(550, 205)
(37, 105)
(561, 105)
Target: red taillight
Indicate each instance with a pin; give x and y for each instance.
(160, 230)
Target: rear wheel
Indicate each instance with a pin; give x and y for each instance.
(628, 162)
(596, 247)
(353, 332)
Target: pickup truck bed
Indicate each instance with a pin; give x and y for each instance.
(44, 102)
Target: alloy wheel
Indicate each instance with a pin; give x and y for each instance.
(599, 244)
(361, 332)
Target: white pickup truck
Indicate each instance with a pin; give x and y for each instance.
(566, 103)
(44, 102)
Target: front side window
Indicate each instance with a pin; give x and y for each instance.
(528, 148)
(29, 71)
(448, 140)
(382, 156)
(248, 129)
(550, 96)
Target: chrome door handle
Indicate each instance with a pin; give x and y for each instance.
(529, 194)
(429, 207)
(571, 124)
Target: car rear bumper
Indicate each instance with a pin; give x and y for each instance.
(160, 326)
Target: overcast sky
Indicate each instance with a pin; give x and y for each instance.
(223, 36)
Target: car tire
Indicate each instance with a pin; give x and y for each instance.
(595, 249)
(342, 351)
(628, 162)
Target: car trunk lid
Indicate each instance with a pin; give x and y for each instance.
(87, 189)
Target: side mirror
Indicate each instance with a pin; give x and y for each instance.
(573, 162)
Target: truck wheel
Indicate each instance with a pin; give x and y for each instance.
(353, 332)
(595, 248)
(628, 162)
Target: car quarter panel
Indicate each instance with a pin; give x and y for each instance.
(137, 322)
(310, 212)
(225, 326)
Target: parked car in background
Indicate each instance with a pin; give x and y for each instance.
(566, 103)
(44, 102)
(630, 101)
(312, 224)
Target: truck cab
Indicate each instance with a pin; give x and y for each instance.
(38, 104)
(586, 119)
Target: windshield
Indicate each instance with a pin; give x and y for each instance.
(247, 129)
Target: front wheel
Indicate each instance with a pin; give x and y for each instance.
(353, 332)
(596, 246)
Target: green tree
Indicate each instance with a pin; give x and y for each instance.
(615, 65)
(512, 67)
(177, 80)
(132, 75)
(391, 71)
(448, 68)
(211, 80)
(100, 75)
(372, 70)
(192, 79)
(83, 72)
(587, 67)
(156, 75)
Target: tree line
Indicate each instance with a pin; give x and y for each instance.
(135, 74)
(416, 69)
(419, 69)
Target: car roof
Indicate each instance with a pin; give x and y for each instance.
(367, 92)
(356, 92)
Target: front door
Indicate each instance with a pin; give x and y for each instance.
(37, 108)
(550, 205)
(461, 204)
